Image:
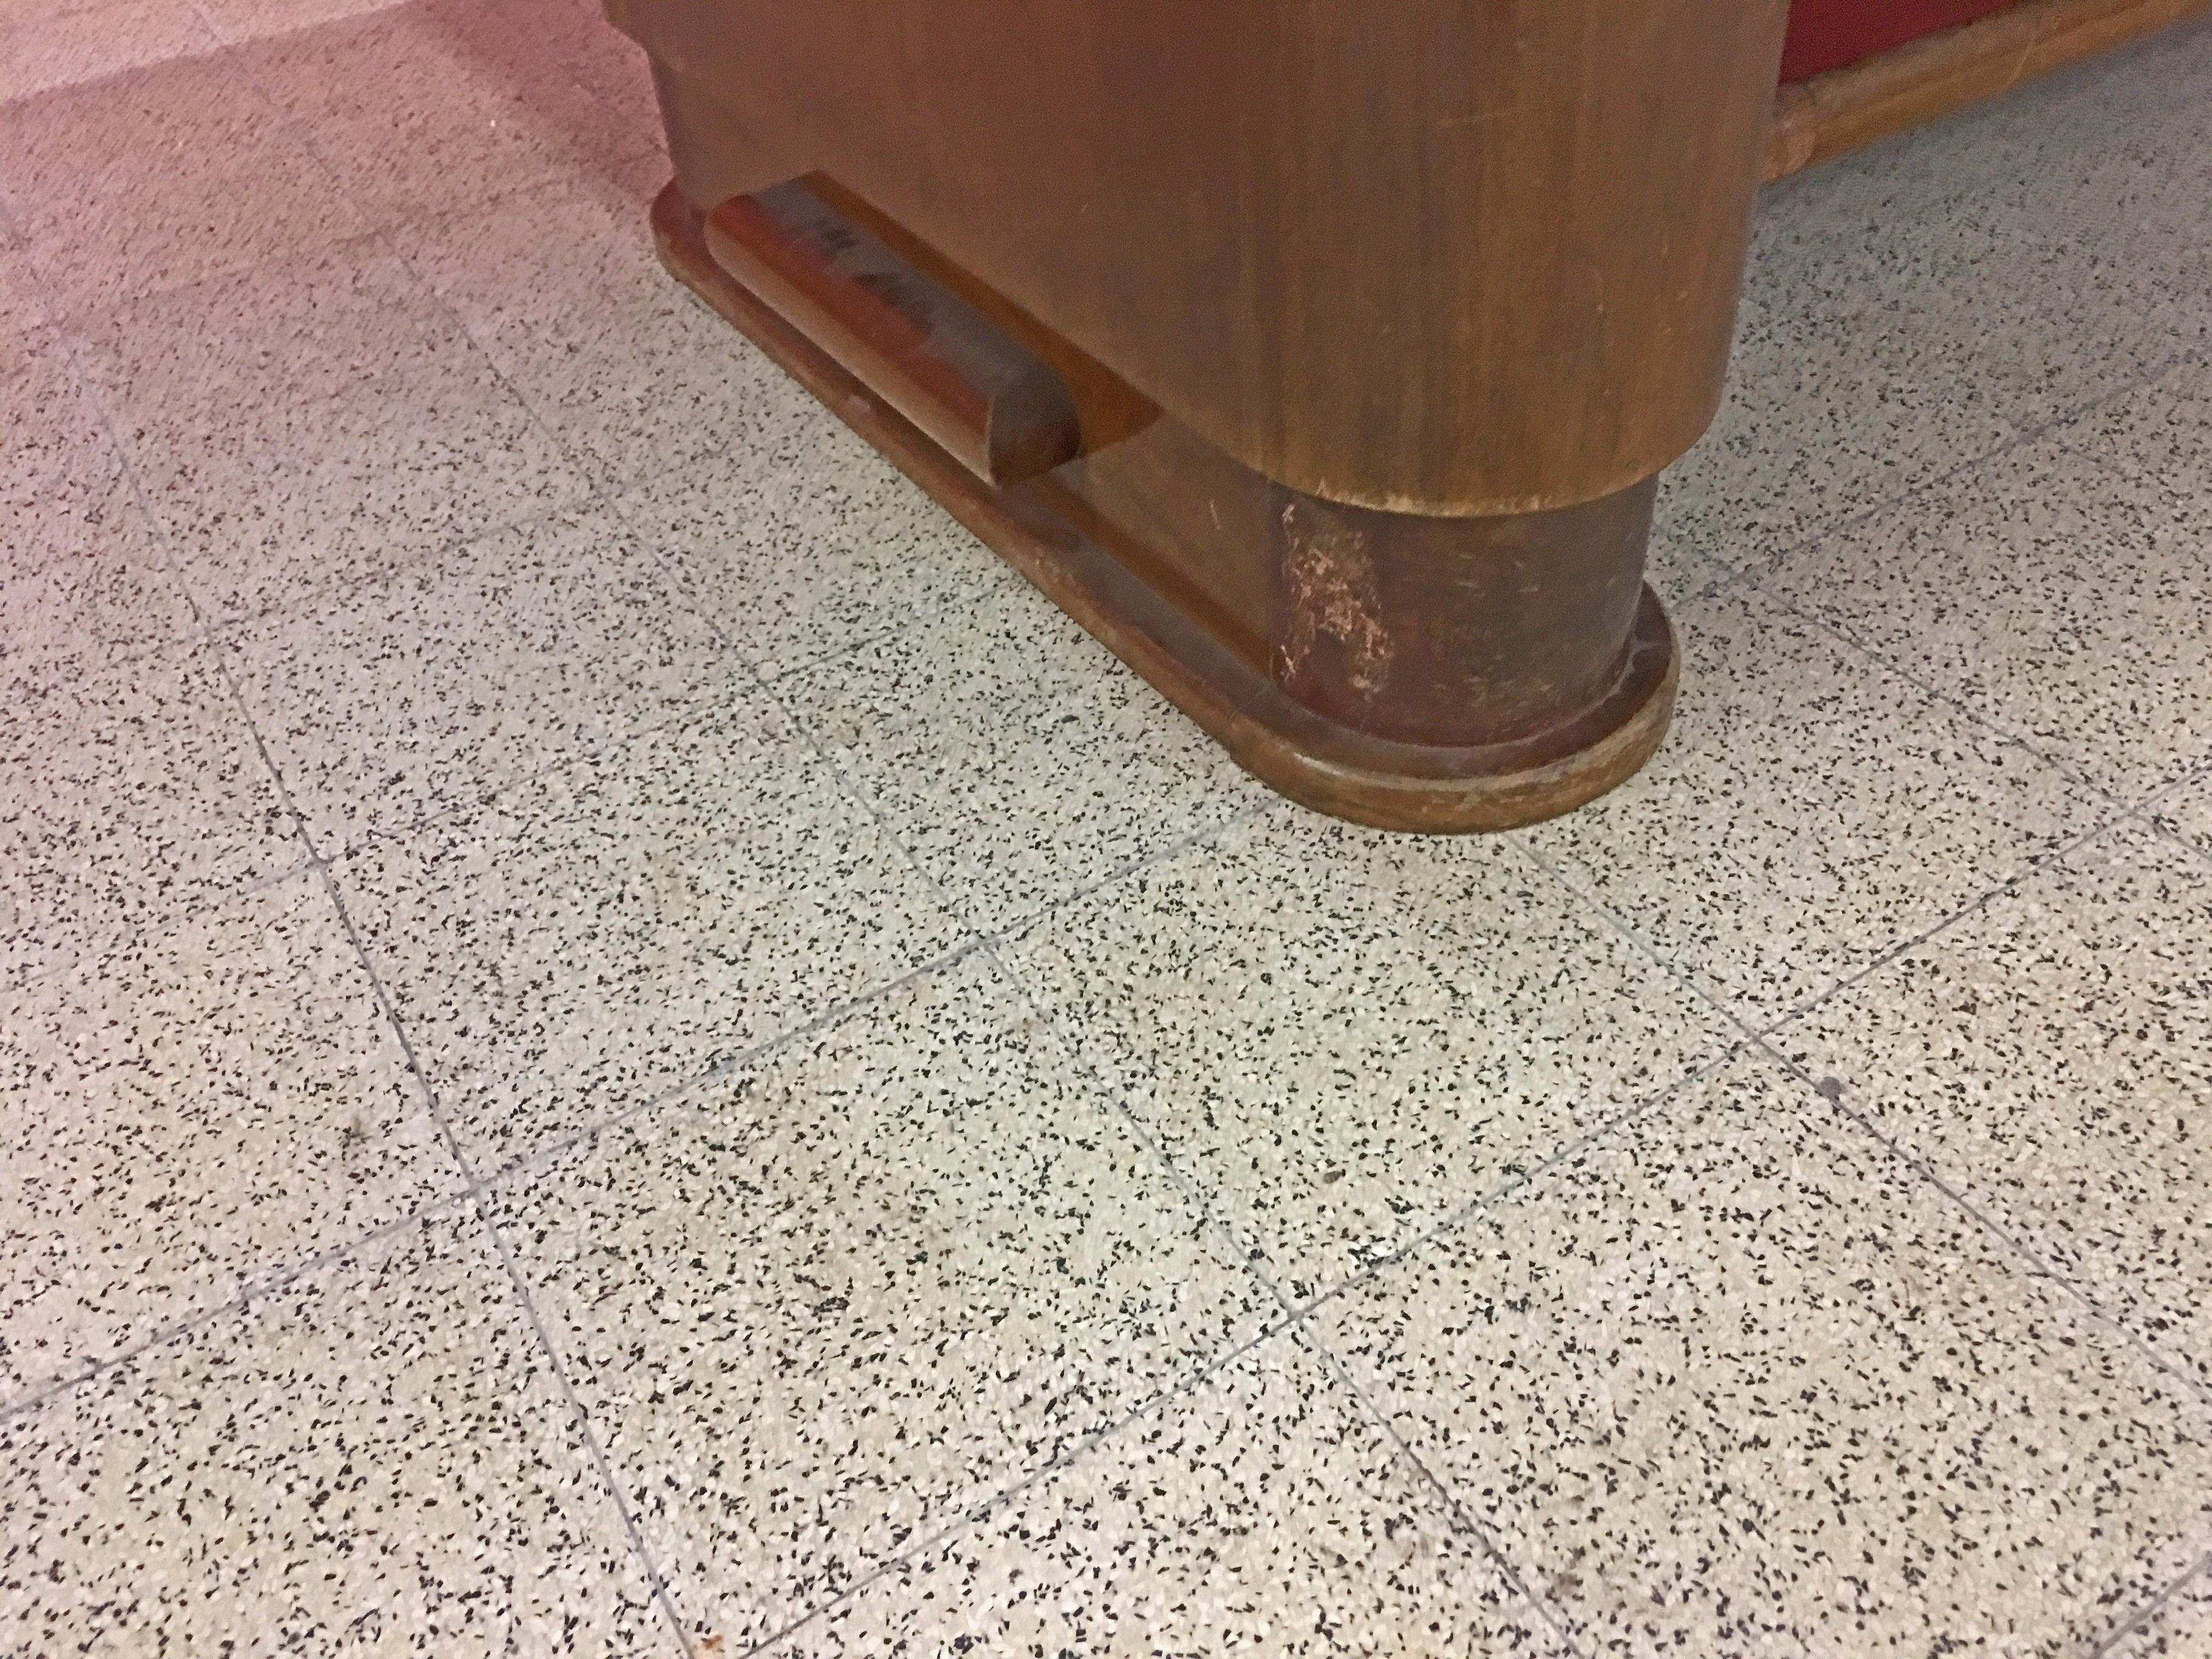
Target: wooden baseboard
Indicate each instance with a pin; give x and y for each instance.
(1927, 79)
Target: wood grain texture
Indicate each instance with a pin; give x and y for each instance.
(1213, 654)
(1926, 80)
(1445, 257)
(999, 409)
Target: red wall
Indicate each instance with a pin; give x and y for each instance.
(1826, 34)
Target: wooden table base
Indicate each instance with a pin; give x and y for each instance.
(1324, 627)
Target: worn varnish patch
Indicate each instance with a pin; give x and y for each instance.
(1329, 594)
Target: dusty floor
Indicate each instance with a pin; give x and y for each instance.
(613, 1041)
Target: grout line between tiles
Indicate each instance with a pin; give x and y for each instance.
(1763, 1038)
(2054, 428)
(540, 1158)
(2039, 1269)
(251, 1289)
(980, 1514)
(1850, 638)
(1297, 1310)
(1492, 1550)
(1768, 564)
(479, 1198)
(2151, 1610)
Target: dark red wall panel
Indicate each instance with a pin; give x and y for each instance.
(1825, 34)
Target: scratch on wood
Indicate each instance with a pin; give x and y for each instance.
(1330, 583)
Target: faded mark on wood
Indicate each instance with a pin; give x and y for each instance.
(1329, 587)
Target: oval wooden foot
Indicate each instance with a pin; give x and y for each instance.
(1435, 675)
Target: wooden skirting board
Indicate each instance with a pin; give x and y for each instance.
(1927, 79)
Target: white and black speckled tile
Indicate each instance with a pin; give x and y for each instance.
(286, 500)
(2095, 174)
(572, 37)
(1344, 1037)
(1811, 809)
(162, 177)
(1916, 305)
(2050, 1057)
(2180, 1628)
(472, 667)
(1014, 755)
(1737, 1379)
(236, 22)
(2058, 600)
(46, 47)
(2158, 438)
(62, 479)
(2185, 810)
(802, 549)
(108, 597)
(377, 1460)
(125, 796)
(831, 1304)
(346, 319)
(209, 1104)
(434, 105)
(521, 299)
(1262, 1513)
(23, 317)
(612, 929)
(1678, 573)
(1845, 386)
(560, 286)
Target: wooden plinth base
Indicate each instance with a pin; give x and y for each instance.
(1924, 80)
(1313, 760)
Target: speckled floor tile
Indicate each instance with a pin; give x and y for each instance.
(475, 666)
(795, 561)
(86, 581)
(2181, 1628)
(2095, 175)
(832, 1209)
(1016, 757)
(2052, 597)
(614, 928)
(1344, 1037)
(1737, 1380)
(1914, 306)
(107, 598)
(2050, 1057)
(46, 47)
(830, 1305)
(2187, 812)
(1845, 388)
(210, 1104)
(560, 285)
(237, 20)
(23, 311)
(285, 500)
(2155, 438)
(431, 105)
(574, 39)
(346, 319)
(1678, 573)
(1809, 812)
(376, 1460)
(162, 177)
(1262, 1513)
(62, 479)
(125, 796)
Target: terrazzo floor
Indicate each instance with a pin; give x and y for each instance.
(614, 1041)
